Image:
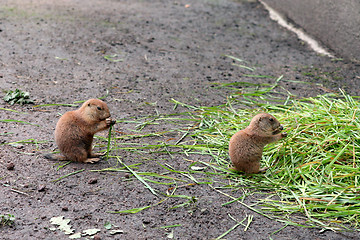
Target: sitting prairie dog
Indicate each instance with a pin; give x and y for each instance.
(75, 130)
(247, 145)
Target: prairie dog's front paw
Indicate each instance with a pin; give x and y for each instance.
(284, 134)
(110, 121)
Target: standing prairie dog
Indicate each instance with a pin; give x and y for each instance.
(75, 130)
(247, 145)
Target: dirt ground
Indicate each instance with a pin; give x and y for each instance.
(63, 51)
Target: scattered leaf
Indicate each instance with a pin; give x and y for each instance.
(17, 96)
(57, 220)
(63, 224)
(90, 232)
(171, 235)
(75, 236)
(116, 231)
(107, 225)
(195, 168)
(66, 229)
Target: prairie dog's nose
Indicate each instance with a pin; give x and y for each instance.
(281, 127)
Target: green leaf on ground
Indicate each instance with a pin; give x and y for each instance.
(17, 96)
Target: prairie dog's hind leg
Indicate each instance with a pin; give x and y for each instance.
(82, 156)
(77, 154)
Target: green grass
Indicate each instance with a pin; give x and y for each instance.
(313, 176)
(314, 171)
(17, 96)
(7, 220)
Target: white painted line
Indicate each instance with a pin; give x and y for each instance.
(299, 32)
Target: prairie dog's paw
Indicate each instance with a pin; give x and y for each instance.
(92, 160)
(110, 121)
(96, 155)
(284, 134)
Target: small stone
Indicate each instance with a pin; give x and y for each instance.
(93, 181)
(97, 237)
(10, 166)
(146, 221)
(41, 188)
(65, 209)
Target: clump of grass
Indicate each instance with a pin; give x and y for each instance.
(313, 175)
(7, 220)
(316, 169)
(313, 171)
(17, 96)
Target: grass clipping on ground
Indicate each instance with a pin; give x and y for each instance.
(313, 175)
(313, 171)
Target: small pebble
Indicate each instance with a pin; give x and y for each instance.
(65, 209)
(41, 188)
(97, 237)
(146, 221)
(93, 181)
(10, 166)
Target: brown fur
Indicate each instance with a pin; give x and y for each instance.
(247, 145)
(75, 131)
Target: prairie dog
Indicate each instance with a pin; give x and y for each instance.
(75, 130)
(247, 145)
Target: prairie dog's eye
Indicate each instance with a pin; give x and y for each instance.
(99, 108)
(271, 119)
